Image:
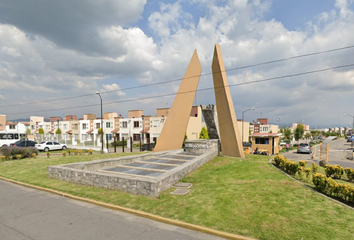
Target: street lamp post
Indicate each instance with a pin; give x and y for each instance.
(346, 114)
(101, 122)
(242, 120)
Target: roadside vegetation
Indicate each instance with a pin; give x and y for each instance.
(242, 196)
(331, 180)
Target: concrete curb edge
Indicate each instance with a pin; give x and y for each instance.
(136, 212)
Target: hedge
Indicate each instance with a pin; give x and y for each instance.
(18, 152)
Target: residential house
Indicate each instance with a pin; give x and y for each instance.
(2, 122)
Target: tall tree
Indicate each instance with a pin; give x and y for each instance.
(287, 134)
(299, 131)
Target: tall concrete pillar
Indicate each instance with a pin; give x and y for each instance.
(229, 134)
(175, 127)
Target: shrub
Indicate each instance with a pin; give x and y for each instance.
(2, 158)
(314, 168)
(320, 181)
(350, 173)
(64, 153)
(14, 151)
(90, 151)
(286, 165)
(335, 171)
(80, 152)
(332, 188)
(18, 156)
(76, 151)
(119, 143)
(34, 155)
(48, 154)
(278, 159)
(302, 163)
(300, 171)
(307, 172)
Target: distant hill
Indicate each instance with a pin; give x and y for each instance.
(19, 120)
(25, 120)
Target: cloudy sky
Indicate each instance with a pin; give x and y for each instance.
(55, 55)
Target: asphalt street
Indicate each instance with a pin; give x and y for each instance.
(336, 155)
(29, 214)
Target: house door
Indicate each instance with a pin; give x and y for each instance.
(273, 145)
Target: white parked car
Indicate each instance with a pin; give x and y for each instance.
(50, 145)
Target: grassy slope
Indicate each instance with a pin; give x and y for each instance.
(247, 197)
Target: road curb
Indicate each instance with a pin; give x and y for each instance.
(136, 212)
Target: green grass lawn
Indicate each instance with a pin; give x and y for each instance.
(242, 196)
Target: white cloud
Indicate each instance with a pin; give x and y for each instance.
(113, 88)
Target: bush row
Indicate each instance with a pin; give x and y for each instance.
(331, 188)
(334, 171)
(10, 153)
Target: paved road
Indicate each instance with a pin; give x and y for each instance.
(28, 214)
(337, 154)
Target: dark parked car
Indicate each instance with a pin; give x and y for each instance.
(24, 143)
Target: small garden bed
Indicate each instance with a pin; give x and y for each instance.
(329, 180)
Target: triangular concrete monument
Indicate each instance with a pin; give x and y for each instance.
(175, 127)
(229, 134)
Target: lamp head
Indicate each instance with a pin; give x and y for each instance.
(253, 108)
(97, 92)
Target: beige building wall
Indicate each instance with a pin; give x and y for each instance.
(135, 113)
(34, 121)
(2, 122)
(162, 112)
(195, 123)
(110, 115)
(246, 127)
(89, 116)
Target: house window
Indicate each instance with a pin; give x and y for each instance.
(108, 125)
(265, 129)
(12, 126)
(76, 126)
(109, 136)
(64, 126)
(125, 124)
(84, 126)
(262, 141)
(136, 137)
(98, 125)
(136, 124)
(156, 123)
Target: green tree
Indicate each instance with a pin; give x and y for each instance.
(58, 131)
(41, 133)
(99, 131)
(308, 135)
(28, 131)
(204, 133)
(287, 134)
(299, 131)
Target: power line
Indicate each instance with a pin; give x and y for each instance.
(179, 79)
(200, 90)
